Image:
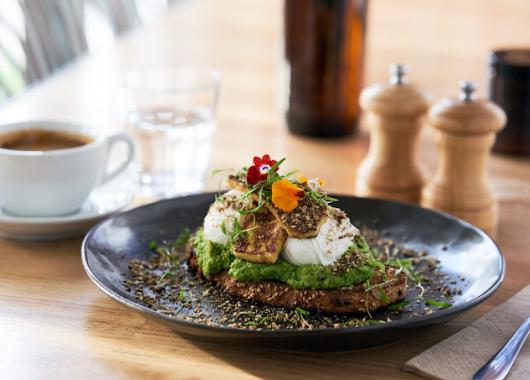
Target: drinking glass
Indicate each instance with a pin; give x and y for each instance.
(170, 113)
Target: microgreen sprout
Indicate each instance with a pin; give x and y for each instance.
(183, 238)
(183, 298)
(318, 196)
(301, 313)
(165, 276)
(398, 306)
(383, 294)
(439, 304)
(236, 232)
(367, 289)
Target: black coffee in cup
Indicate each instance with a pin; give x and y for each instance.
(42, 140)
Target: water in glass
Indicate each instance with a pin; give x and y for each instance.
(174, 149)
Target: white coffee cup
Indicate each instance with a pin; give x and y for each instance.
(56, 182)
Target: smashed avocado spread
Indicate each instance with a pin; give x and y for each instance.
(213, 258)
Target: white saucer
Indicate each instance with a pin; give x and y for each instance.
(104, 201)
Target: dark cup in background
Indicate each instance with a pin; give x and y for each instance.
(510, 88)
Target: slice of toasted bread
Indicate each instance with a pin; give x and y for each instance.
(302, 222)
(353, 299)
(263, 239)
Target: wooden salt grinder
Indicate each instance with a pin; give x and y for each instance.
(465, 133)
(394, 114)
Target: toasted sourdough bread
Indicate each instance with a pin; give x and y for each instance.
(353, 299)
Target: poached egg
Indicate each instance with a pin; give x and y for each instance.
(224, 209)
(332, 241)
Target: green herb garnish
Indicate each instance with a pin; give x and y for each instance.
(263, 189)
(237, 231)
(367, 286)
(183, 298)
(166, 275)
(164, 251)
(223, 227)
(398, 306)
(383, 295)
(183, 238)
(353, 321)
(257, 322)
(302, 312)
(319, 197)
(246, 313)
(440, 304)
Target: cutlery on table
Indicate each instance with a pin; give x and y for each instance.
(499, 365)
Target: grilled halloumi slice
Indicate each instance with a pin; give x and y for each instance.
(235, 183)
(302, 222)
(262, 238)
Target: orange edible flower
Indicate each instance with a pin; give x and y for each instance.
(285, 195)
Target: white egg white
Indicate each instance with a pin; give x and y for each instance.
(222, 210)
(332, 241)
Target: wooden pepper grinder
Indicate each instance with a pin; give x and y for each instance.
(394, 114)
(465, 134)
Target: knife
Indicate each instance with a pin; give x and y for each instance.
(499, 365)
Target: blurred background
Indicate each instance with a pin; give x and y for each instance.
(43, 42)
(39, 36)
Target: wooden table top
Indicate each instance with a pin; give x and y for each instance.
(54, 323)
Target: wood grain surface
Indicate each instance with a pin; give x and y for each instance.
(54, 323)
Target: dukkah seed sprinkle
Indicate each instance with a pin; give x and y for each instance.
(164, 283)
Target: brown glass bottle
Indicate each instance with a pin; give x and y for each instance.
(324, 51)
(510, 88)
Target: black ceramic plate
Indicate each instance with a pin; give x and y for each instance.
(463, 251)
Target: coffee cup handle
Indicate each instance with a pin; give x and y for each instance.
(111, 141)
